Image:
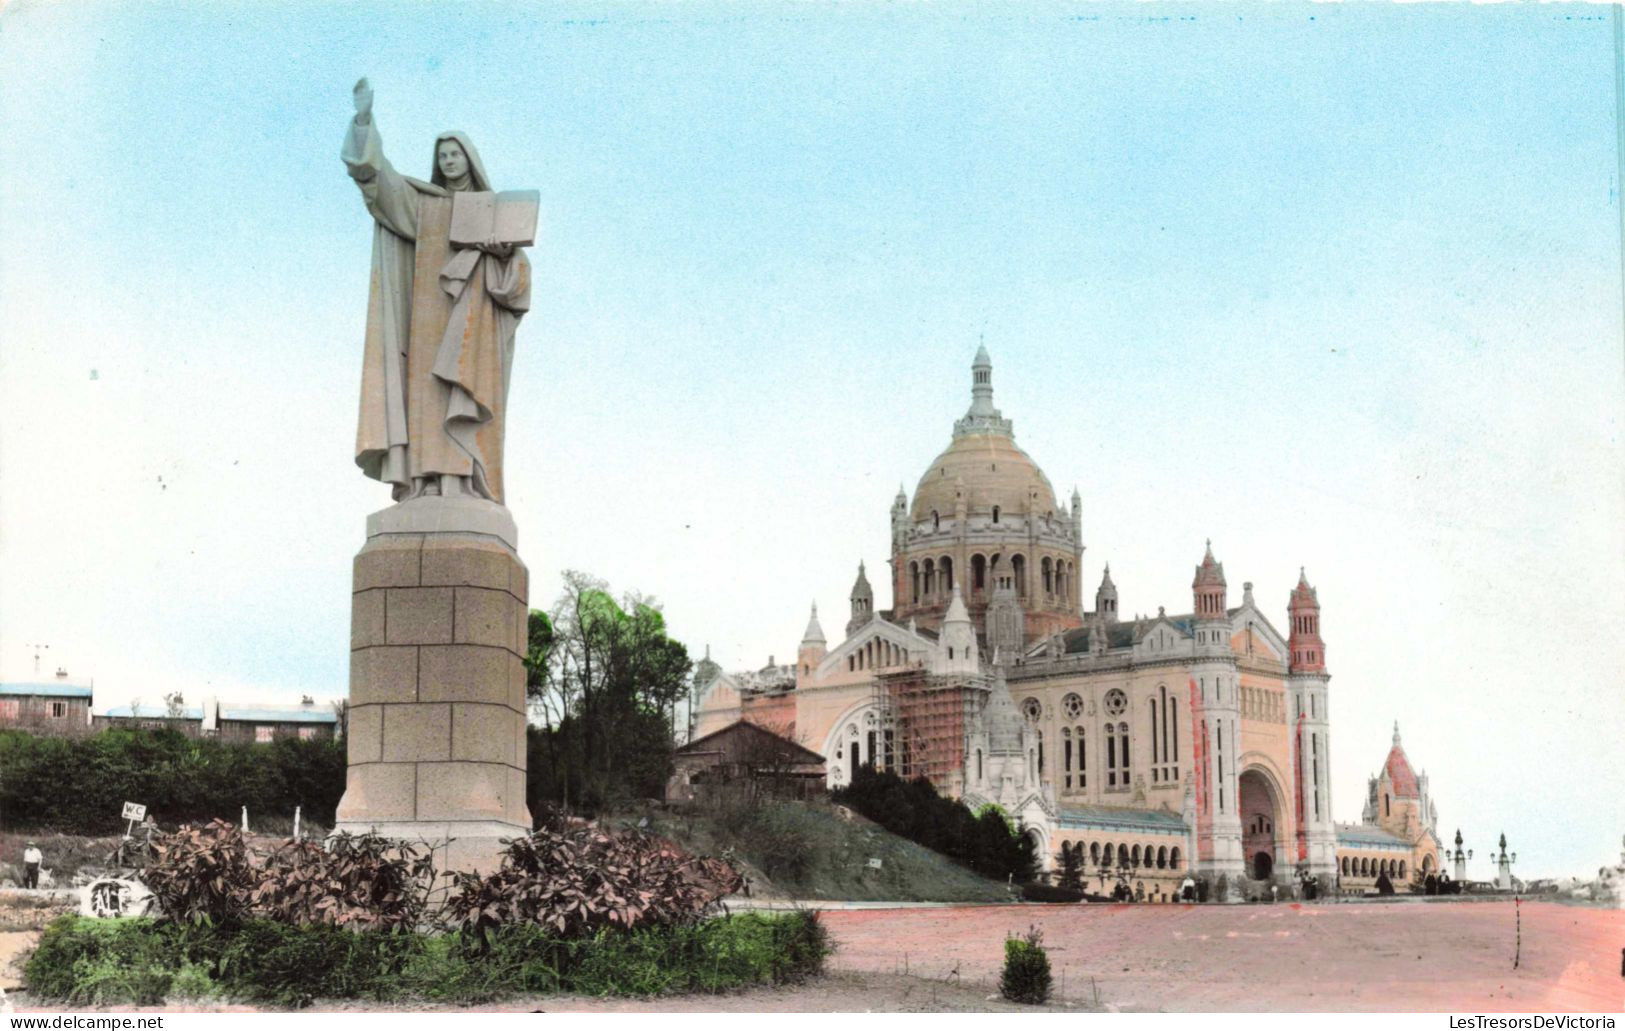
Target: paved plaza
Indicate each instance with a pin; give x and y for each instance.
(1400, 956)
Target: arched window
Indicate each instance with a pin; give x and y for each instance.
(914, 575)
(1156, 770)
(978, 574)
(1134, 856)
(1162, 857)
(1018, 568)
(947, 576)
(936, 520)
(930, 579)
(995, 513)
(1122, 856)
(1049, 576)
(978, 764)
(1083, 761)
(1108, 856)
(1402, 869)
(1173, 858)
(1387, 806)
(1066, 758)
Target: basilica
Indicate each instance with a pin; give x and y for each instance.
(1143, 750)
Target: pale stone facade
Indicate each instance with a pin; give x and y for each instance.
(1157, 746)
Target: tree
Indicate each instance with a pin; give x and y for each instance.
(604, 678)
(1071, 866)
(174, 705)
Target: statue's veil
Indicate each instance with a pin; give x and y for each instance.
(476, 168)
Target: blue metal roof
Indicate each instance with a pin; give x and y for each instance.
(154, 712)
(300, 715)
(45, 689)
(1152, 821)
(1366, 836)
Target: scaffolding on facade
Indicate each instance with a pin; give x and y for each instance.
(924, 720)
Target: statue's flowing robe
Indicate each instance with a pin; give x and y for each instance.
(440, 329)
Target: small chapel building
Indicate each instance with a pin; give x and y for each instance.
(1151, 747)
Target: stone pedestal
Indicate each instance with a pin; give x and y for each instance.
(438, 625)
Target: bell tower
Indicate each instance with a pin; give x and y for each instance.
(1311, 736)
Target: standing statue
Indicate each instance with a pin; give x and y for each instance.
(440, 321)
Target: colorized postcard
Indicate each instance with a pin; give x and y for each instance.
(812, 507)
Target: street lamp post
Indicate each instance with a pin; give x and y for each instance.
(1459, 859)
(1503, 866)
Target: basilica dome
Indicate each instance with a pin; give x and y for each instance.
(993, 471)
(984, 461)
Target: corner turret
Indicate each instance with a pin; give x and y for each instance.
(813, 646)
(1106, 597)
(1307, 652)
(863, 603)
(956, 649)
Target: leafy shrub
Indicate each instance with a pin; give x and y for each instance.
(207, 875)
(146, 962)
(201, 874)
(1026, 976)
(358, 881)
(577, 880)
(986, 843)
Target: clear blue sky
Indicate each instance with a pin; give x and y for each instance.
(1336, 286)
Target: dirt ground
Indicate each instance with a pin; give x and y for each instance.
(1405, 956)
(1400, 956)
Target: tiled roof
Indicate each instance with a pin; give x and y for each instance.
(1364, 835)
(1082, 817)
(1123, 635)
(45, 689)
(1400, 774)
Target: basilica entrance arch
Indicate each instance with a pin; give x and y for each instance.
(1261, 822)
(861, 737)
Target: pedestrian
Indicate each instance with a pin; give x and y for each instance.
(1275, 892)
(1187, 889)
(31, 861)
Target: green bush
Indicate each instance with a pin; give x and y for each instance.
(985, 841)
(145, 962)
(1026, 976)
(79, 786)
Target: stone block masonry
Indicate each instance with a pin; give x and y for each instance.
(436, 732)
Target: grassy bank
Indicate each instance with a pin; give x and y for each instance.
(811, 850)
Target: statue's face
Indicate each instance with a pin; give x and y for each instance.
(451, 159)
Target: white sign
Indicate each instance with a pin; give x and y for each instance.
(874, 864)
(132, 811)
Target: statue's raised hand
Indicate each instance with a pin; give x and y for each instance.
(363, 101)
